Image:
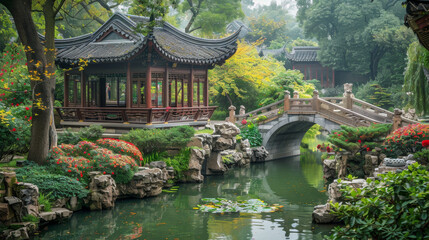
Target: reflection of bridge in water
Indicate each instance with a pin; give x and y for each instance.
(288, 120)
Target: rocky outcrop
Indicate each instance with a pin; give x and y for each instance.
(24, 230)
(193, 174)
(29, 194)
(55, 215)
(259, 154)
(322, 214)
(147, 182)
(103, 191)
(215, 165)
(227, 130)
(329, 169)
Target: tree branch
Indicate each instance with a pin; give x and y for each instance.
(59, 7)
(85, 7)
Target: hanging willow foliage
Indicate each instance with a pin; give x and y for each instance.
(416, 84)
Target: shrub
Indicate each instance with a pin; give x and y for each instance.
(406, 140)
(219, 115)
(91, 133)
(51, 185)
(180, 162)
(44, 200)
(251, 132)
(395, 207)
(121, 147)
(68, 137)
(159, 140)
(77, 160)
(422, 157)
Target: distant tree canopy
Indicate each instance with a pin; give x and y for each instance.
(360, 36)
(210, 16)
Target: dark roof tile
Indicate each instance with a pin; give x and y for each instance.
(303, 54)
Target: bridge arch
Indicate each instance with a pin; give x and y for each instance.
(282, 137)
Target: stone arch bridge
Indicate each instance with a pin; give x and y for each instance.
(286, 121)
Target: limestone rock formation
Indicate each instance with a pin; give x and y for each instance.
(103, 191)
(321, 214)
(193, 174)
(145, 183)
(329, 169)
(227, 130)
(259, 154)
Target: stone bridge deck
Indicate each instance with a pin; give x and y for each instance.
(288, 120)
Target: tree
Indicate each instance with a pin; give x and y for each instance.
(210, 16)
(154, 9)
(415, 81)
(6, 28)
(356, 35)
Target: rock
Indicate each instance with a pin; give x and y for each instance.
(215, 164)
(329, 169)
(410, 157)
(145, 183)
(47, 217)
(195, 142)
(103, 191)
(193, 174)
(29, 194)
(381, 157)
(60, 202)
(158, 164)
(8, 178)
(18, 234)
(409, 162)
(74, 204)
(227, 130)
(7, 214)
(244, 144)
(321, 214)
(374, 160)
(62, 213)
(259, 154)
(223, 144)
(55, 215)
(207, 150)
(232, 157)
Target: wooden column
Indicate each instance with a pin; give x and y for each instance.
(129, 88)
(206, 89)
(305, 72)
(166, 88)
(148, 87)
(310, 73)
(191, 88)
(66, 89)
(82, 88)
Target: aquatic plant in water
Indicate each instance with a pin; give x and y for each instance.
(222, 205)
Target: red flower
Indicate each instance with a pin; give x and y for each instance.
(368, 149)
(319, 146)
(244, 122)
(27, 108)
(425, 143)
(13, 129)
(328, 149)
(359, 141)
(167, 108)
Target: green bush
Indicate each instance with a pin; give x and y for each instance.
(44, 200)
(422, 157)
(251, 132)
(395, 207)
(149, 141)
(51, 184)
(219, 115)
(180, 162)
(91, 134)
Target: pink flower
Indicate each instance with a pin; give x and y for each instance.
(244, 121)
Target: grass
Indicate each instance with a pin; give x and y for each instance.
(207, 130)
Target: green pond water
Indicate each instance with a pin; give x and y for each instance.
(296, 183)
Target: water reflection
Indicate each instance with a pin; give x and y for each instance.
(292, 182)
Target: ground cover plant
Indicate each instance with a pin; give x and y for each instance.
(250, 131)
(394, 207)
(91, 134)
(406, 140)
(80, 159)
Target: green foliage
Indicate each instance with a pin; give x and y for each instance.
(359, 139)
(159, 140)
(395, 207)
(376, 41)
(50, 182)
(206, 130)
(154, 9)
(373, 93)
(251, 132)
(406, 140)
(422, 156)
(415, 82)
(30, 218)
(6, 28)
(91, 134)
(180, 162)
(210, 16)
(44, 200)
(300, 42)
(219, 115)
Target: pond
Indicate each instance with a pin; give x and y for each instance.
(296, 183)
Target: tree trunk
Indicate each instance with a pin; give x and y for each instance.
(42, 85)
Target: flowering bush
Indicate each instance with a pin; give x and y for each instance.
(251, 132)
(77, 160)
(121, 147)
(406, 140)
(15, 129)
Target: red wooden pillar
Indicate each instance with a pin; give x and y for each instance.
(66, 89)
(166, 88)
(129, 88)
(191, 88)
(206, 89)
(82, 89)
(327, 77)
(305, 72)
(333, 78)
(293, 67)
(148, 89)
(321, 81)
(311, 74)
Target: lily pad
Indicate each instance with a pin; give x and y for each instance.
(223, 205)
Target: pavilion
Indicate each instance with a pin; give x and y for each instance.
(118, 75)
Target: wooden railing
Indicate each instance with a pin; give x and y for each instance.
(135, 115)
(345, 110)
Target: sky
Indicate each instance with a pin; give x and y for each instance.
(291, 10)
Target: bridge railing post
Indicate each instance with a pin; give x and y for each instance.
(348, 103)
(242, 110)
(397, 119)
(315, 103)
(295, 95)
(231, 118)
(286, 105)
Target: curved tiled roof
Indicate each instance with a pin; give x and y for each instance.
(168, 41)
(303, 54)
